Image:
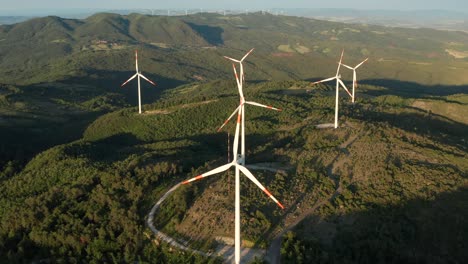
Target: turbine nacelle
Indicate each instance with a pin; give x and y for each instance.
(240, 159)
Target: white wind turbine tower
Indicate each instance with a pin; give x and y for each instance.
(242, 98)
(355, 84)
(239, 159)
(339, 82)
(138, 74)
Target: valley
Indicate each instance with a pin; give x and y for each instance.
(80, 169)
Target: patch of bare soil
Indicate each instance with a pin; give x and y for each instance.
(175, 108)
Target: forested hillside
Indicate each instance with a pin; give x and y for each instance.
(80, 169)
(55, 70)
(87, 200)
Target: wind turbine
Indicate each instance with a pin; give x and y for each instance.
(138, 74)
(239, 159)
(355, 84)
(242, 100)
(339, 82)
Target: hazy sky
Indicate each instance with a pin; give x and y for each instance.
(459, 5)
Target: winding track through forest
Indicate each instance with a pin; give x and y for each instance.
(226, 252)
(273, 253)
(160, 235)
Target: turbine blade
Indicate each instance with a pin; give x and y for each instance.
(237, 77)
(342, 53)
(131, 78)
(229, 58)
(247, 54)
(241, 92)
(361, 63)
(136, 60)
(227, 120)
(349, 67)
(344, 86)
(355, 79)
(254, 180)
(211, 172)
(339, 63)
(261, 105)
(142, 76)
(324, 80)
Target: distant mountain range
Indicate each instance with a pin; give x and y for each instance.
(438, 19)
(286, 47)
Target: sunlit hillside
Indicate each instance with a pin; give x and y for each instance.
(80, 169)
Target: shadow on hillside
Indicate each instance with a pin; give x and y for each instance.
(67, 120)
(21, 141)
(440, 129)
(57, 114)
(111, 81)
(201, 149)
(407, 89)
(113, 148)
(18, 248)
(416, 231)
(212, 35)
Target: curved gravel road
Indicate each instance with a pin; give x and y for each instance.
(226, 251)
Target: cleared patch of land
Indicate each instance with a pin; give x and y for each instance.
(175, 108)
(457, 54)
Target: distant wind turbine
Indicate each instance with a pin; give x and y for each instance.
(138, 74)
(339, 82)
(355, 84)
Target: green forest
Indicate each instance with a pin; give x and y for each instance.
(80, 169)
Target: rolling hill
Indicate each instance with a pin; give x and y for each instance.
(95, 55)
(87, 200)
(286, 47)
(80, 169)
